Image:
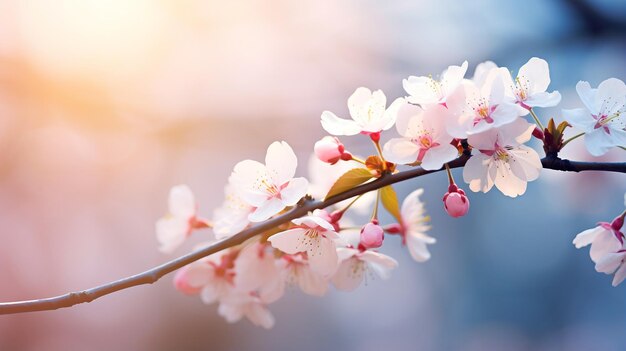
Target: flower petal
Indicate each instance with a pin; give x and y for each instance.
(281, 162)
(289, 241)
(171, 233)
(619, 275)
(349, 275)
(535, 73)
(610, 96)
(435, 157)
(401, 150)
(543, 99)
(339, 126)
(586, 237)
(604, 243)
(294, 191)
(598, 142)
(182, 202)
(610, 262)
(323, 257)
(587, 95)
(579, 118)
(266, 210)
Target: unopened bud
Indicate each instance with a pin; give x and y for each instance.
(329, 149)
(538, 133)
(455, 202)
(372, 235)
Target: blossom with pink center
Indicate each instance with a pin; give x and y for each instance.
(608, 249)
(269, 187)
(425, 139)
(476, 108)
(369, 114)
(414, 227)
(295, 270)
(500, 159)
(424, 90)
(356, 264)
(177, 225)
(232, 216)
(245, 304)
(213, 276)
(602, 120)
(372, 235)
(528, 89)
(330, 150)
(313, 235)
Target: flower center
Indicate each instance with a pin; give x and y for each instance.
(482, 112)
(502, 154)
(424, 142)
(521, 88)
(270, 188)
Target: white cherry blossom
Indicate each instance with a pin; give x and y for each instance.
(477, 108)
(369, 114)
(355, 264)
(177, 225)
(500, 159)
(414, 227)
(269, 187)
(313, 235)
(213, 276)
(602, 120)
(424, 90)
(528, 89)
(424, 138)
(236, 306)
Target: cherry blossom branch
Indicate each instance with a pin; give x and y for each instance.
(304, 206)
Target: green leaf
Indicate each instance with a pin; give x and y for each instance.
(349, 180)
(390, 202)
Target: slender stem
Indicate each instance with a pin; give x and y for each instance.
(375, 212)
(358, 160)
(573, 138)
(532, 113)
(350, 204)
(304, 206)
(450, 177)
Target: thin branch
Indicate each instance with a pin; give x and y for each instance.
(306, 205)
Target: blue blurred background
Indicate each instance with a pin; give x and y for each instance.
(106, 104)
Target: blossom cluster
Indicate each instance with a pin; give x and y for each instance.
(481, 120)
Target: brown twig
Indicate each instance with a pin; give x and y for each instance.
(306, 205)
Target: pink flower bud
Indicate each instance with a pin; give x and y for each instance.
(372, 235)
(455, 202)
(181, 283)
(329, 149)
(538, 133)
